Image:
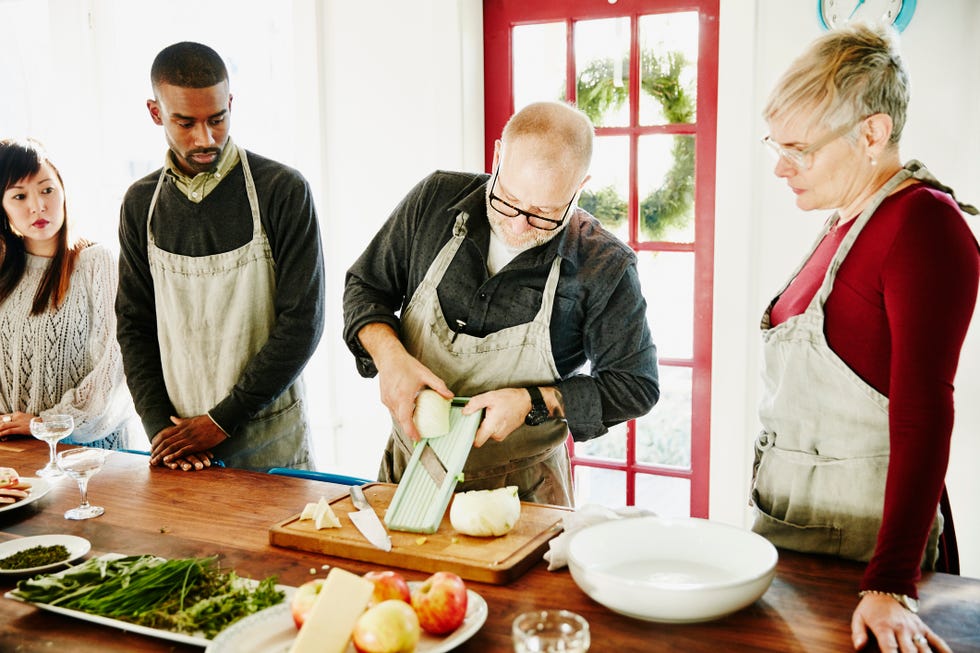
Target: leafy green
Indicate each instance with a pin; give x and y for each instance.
(189, 595)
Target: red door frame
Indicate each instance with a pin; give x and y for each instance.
(499, 17)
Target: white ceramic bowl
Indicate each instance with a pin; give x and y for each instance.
(671, 570)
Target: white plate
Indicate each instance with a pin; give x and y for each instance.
(272, 631)
(77, 547)
(183, 638)
(39, 487)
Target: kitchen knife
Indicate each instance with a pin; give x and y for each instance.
(367, 520)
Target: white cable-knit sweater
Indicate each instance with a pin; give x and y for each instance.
(68, 361)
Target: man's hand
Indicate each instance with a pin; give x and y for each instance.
(895, 628)
(400, 375)
(186, 445)
(505, 412)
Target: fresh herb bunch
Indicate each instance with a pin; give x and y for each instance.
(36, 556)
(188, 595)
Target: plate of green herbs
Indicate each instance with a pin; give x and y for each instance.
(186, 600)
(31, 555)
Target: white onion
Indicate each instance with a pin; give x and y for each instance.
(431, 414)
(485, 513)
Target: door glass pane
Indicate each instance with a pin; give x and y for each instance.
(668, 68)
(663, 436)
(611, 446)
(606, 487)
(605, 194)
(602, 50)
(667, 279)
(539, 63)
(665, 495)
(665, 174)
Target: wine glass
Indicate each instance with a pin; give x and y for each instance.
(51, 429)
(82, 464)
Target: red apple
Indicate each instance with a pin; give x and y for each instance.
(303, 600)
(388, 585)
(388, 627)
(440, 602)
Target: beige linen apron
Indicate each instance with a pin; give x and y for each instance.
(533, 458)
(214, 313)
(822, 456)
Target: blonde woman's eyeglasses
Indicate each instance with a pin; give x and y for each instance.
(802, 158)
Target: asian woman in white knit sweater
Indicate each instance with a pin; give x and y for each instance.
(58, 349)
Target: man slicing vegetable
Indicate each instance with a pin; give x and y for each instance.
(504, 290)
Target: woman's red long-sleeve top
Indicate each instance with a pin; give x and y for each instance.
(897, 315)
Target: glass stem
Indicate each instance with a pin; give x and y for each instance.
(53, 461)
(83, 488)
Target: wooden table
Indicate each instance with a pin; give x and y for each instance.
(228, 512)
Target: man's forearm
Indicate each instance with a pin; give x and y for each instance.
(381, 341)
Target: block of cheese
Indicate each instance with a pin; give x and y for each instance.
(330, 622)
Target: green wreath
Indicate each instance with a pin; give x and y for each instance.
(669, 207)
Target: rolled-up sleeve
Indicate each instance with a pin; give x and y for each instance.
(623, 380)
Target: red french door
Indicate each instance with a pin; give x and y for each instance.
(646, 72)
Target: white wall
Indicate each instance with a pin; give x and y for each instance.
(760, 234)
(403, 91)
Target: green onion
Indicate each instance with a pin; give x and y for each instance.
(189, 595)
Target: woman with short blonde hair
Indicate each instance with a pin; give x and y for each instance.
(861, 345)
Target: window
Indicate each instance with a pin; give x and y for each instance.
(646, 73)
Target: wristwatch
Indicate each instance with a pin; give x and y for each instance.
(539, 410)
(907, 602)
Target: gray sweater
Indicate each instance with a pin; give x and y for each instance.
(220, 223)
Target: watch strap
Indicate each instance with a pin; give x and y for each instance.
(539, 409)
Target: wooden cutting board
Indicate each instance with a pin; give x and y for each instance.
(496, 560)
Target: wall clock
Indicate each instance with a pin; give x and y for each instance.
(835, 13)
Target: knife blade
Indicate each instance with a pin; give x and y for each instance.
(367, 521)
(432, 464)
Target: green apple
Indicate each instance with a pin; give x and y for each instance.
(388, 627)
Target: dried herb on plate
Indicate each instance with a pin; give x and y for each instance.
(35, 556)
(187, 595)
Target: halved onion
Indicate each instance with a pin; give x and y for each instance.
(485, 513)
(431, 414)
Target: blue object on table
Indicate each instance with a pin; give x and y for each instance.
(328, 477)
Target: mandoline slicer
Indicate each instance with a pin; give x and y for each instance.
(424, 491)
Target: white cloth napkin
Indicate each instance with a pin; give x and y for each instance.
(587, 515)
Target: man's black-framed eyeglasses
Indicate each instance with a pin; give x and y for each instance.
(533, 219)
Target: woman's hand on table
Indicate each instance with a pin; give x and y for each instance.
(895, 627)
(187, 444)
(15, 423)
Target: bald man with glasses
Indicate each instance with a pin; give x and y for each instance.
(499, 288)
